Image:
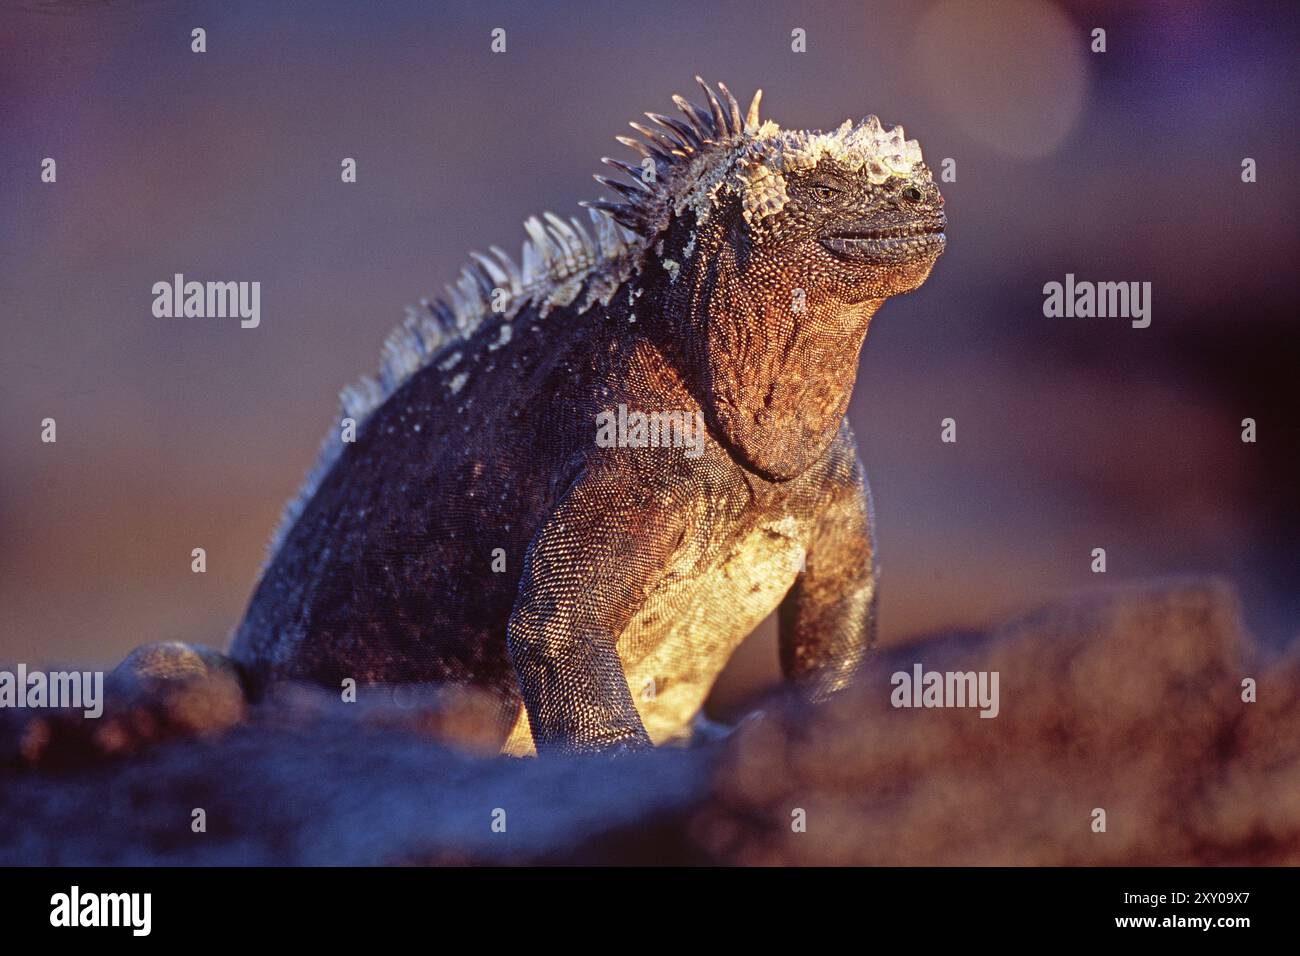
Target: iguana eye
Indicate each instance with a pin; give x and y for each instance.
(822, 192)
(912, 194)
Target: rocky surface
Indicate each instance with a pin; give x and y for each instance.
(1131, 703)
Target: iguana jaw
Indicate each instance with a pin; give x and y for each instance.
(887, 243)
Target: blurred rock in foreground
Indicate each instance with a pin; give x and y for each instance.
(1131, 703)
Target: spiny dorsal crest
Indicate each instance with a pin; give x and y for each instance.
(715, 150)
(689, 162)
(560, 260)
(677, 158)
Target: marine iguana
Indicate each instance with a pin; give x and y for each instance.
(475, 532)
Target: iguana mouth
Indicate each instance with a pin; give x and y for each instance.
(890, 242)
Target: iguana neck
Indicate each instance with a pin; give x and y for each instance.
(773, 373)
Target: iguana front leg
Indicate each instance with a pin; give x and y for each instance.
(828, 619)
(587, 571)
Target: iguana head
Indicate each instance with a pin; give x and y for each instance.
(776, 248)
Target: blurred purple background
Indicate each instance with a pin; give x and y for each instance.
(1072, 433)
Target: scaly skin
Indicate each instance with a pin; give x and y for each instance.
(631, 574)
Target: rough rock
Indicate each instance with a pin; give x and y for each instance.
(1130, 702)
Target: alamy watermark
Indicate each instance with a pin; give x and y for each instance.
(208, 300)
(75, 908)
(1104, 300)
(75, 690)
(922, 688)
(662, 429)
